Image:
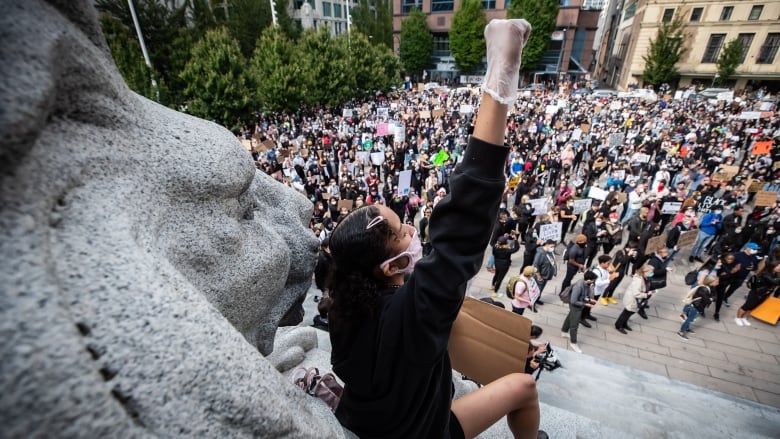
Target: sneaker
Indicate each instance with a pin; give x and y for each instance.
(575, 348)
(492, 288)
(682, 336)
(603, 301)
(612, 300)
(739, 322)
(585, 324)
(621, 330)
(716, 317)
(627, 328)
(745, 322)
(726, 302)
(690, 331)
(564, 334)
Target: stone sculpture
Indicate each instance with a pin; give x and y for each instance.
(146, 264)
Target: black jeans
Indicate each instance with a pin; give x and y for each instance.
(498, 276)
(570, 272)
(622, 320)
(613, 285)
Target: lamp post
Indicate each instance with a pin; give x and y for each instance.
(714, 79)
(143, 47)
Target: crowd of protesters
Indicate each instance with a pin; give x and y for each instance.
(650, 167)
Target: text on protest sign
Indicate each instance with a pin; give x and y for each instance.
(671, 207)
(580, 206)
(597, 193)
(616, 140)
(766, 198)
(539, 205)
(709, 203)
(551, 231)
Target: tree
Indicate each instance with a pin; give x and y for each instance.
(128, 56)
(374, 67)
(730, 57)
(416, 46)
(467, 35)
(329, 64)
(217, 87)
(375, 22)
(542, 14)
(665, 52)
(280, 81)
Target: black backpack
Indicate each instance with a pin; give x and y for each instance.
(691, 276)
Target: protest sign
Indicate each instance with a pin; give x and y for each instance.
(655, 243)
(765, 106)
(551, 109)
(346, 203)
(616, 140)
(382, 129)
(755, 186)
(687, 239)
(580, 206)
(597, 193)
(425, 114)
(514, 181)
(641, 158)
(404, 182)
(576, 134)
(347, 112)
(383, 112)
(539, 205)
(466, 109)
(766, 198)
(671, 207)
(585, 128)
(420, 87)
(551, 231)
(600, 163)
(377, 158)
(762, 147)
(440, 157)
(621, 174)
(438, 112)
(266, 145)
(750, 115)
(709, 203)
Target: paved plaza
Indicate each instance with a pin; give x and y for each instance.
(739, 361)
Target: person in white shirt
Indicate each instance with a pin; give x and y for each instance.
(635, 200)
(603, 278)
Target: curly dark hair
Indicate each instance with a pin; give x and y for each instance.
(352, 282)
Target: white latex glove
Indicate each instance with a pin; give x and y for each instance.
(505, 40)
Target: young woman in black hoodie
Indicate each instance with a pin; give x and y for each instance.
(391, 315)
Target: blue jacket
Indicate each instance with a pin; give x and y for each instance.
(708, 225)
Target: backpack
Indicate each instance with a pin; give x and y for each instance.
(510, 286)
(706, 297)
(691, 276)
(565, 294)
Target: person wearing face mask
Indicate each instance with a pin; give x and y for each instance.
(579, 300)
(575, 259)
(620, 265)
(614, 235)
(725, 269)
(393, 310)
(748, 260)
(595, 232)
(673, 237)
(711, 223)
(546, 268)
(636, 292)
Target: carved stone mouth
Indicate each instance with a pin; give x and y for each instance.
(294, 315)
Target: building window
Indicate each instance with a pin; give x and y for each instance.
(407, 5)
(713, 48)
(593, 4)
(298, 3)
(696, 14)
(630, 10)
(326, 9)
(745, 40)
(755, 12)
(442, 5)
(725, 14)
(766, 55)
(337, 10)
(489, 4)
(441, 45)
(668, 15)
(563, 3)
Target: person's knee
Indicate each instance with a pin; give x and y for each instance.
(523, 388)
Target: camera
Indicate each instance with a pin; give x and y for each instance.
(547, 359)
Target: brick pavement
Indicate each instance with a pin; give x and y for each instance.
(740, 361)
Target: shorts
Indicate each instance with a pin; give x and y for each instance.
(753, 300)
(456, 431)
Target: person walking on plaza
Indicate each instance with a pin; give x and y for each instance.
(502, 253)
(383, 290)
(710, 224)
(575, 259)
(748, 260)
(546, 268)
(579, 300)
(605, 278)
(636, 291)
(526, 291)
(620, 265)
(695, 302)
(764, 284)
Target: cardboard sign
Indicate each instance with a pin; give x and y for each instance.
(687, 239)
(438, 112)
(766, 198)
(551, 231)
(585, 128)
(420, 87)
(580, 206)
(425, 114)
(762, 147)
(755, 186)
(513, 182)
(266, 145)
(346, 203)
(539, 205)
(722, 176)
(655, 243)
(600, 163)
(597, 193)
(622, 197)
(671, 207)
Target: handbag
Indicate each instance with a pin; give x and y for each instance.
(656, 284)
(488, 342)
(325, 387)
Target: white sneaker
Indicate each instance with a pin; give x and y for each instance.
(575, 348)
(745, 322)
(564, 334)
(739, 322)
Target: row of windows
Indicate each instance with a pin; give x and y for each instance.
(442, 5)
(766, 54)
(725, 13)
(326, 10)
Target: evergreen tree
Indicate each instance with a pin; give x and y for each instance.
(416, 46)
(376, 21)
(542, 14)
(728, 61)
(467, 35)
(217, 87)
(246, 21)
(665, 51)
(128, 56)
(280, 81)
(374, 67)
(328, 62)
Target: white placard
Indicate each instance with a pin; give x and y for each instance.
(766, 106)
(539, 205)
(616, 140)
(576, 134)
(580, 206)
(551, 231)
(551, 109)
(377, 158)
(678, 95)
(404, 182)
(727, 96)
(562, 103)
(597, 193)
(670, 207)
(621, 174)
(750, 115)
(347, 112)
(466, 109)
(641, 158)
(615, 105)
(383, 112)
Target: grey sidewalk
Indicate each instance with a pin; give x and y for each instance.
(739, 361)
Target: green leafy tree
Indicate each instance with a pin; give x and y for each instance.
(374, 67)
(128, 56)
(728, 61)
(665, 51)
(416, 47)
(327, 62)
(246, 21)
(375, 22)
(280, 81)
(217, 86)
(467, 39)
(542, 15)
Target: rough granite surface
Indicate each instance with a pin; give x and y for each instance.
(146, 265)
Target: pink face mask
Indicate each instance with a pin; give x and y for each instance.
(413, 252)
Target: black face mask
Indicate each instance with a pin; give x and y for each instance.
(581, 245)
